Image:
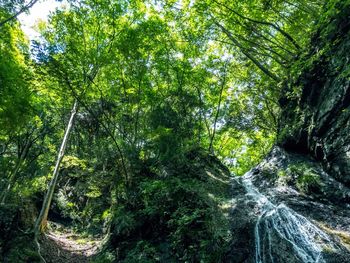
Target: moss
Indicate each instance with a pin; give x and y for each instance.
(281, 173)
(307, 182)
(307, 179)
(290, 131)
(267, 173)
(343, 236)
(326, 249)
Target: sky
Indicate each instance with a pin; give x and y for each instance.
(39, 11)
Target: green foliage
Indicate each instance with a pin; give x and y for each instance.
(302, 175)
(281, 173)
(72, 163)
(174, 217)
(144, 252)
(124, 221)
(307, 179)
(161, 87)
(15, 75)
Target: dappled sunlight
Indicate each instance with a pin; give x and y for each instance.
(126, 128)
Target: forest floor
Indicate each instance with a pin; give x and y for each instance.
(62, 244)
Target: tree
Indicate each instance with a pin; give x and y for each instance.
(16, 101)
(41, 221)
(15, 8)
(162, 86)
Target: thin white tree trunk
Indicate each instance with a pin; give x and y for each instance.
(41, 221)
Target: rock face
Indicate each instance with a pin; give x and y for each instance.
(288, 209)
(295, 205)
(317, 121)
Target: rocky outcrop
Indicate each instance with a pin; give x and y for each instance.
(316, 120)
(295, 205)
(288, 209)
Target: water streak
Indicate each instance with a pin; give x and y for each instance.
(278, 224)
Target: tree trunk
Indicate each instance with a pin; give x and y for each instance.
(246, 53)
(284, 33)
(41, 221)
(211, 149)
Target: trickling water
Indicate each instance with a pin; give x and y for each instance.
(278, 224)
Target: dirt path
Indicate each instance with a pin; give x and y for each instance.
(63, 245)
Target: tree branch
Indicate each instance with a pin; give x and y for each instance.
(23, 9)
(284, 33)
(247, 54)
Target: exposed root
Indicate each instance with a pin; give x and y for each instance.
(38, 248)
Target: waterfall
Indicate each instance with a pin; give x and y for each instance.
(281, 226)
